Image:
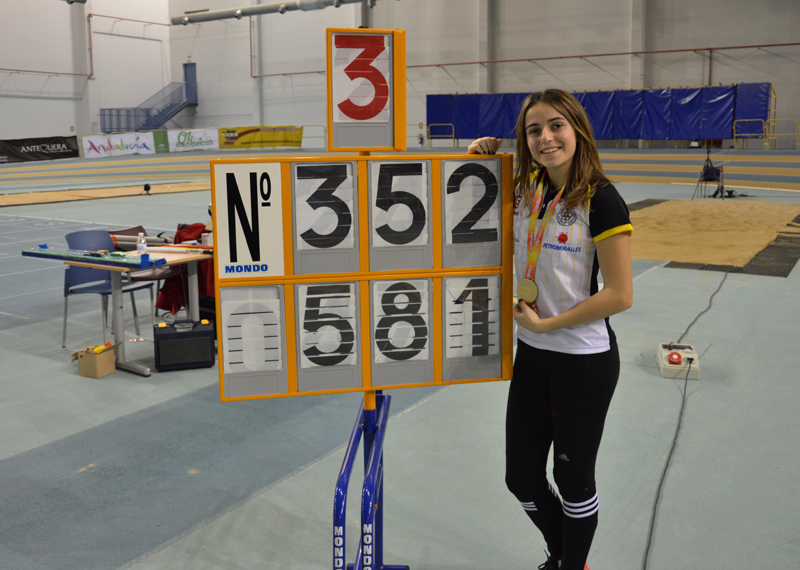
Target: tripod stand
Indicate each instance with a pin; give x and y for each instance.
(710, 173)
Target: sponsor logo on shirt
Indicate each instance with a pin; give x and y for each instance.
(559, 247)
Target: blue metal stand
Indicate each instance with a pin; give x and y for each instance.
(371, 422)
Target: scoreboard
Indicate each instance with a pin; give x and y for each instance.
(340, 274)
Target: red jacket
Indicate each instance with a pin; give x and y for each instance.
(170, 298)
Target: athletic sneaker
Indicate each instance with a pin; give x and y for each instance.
(552, 564)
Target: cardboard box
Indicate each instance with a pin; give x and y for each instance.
(96, 365)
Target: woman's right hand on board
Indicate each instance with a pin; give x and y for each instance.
(485, 145)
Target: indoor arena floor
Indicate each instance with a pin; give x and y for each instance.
(157, 474)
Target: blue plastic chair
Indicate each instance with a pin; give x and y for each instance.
(81, 280)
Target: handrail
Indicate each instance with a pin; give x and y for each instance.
(167, 93)
(147, 114)
(773, 136)
(419, 136)
(747, 136)
(452, 134)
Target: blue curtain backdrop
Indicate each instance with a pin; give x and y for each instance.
(628, 114)
(599, 107)
(657, 114)
(439, 112)
(581, 97)
(717, 112)
(465, 116)
(512, 106)
(686, 113)
(491, 115)
(653, 114)
(752, 107)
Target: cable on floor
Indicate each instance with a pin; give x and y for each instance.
(657, 500)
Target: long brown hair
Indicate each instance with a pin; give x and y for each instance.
(585, 169)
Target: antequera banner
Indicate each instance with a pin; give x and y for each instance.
(195, 139)
(120, 144)
(256, 137)
(40, 148)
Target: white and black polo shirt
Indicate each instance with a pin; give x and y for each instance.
(566, 271)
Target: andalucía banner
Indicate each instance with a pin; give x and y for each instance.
(118, 144)
(250, 137)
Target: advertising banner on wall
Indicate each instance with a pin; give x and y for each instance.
(257, 137)
(39, 148)
(119, 144)
(161, 142)
(184, 140)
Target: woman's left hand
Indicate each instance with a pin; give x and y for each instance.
(527, 316)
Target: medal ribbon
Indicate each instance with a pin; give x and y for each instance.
(535, 238)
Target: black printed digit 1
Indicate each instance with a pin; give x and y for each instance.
(478, 291)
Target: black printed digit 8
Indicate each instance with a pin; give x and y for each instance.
(401, 302)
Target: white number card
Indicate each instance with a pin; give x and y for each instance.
(324, 206)
(401, 313)
(399, 203)
(328, 319)
(471, 205)
(252, 329)
(472, 308)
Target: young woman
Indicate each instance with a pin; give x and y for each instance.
(569, 222)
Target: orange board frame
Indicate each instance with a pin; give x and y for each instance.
(363, 275)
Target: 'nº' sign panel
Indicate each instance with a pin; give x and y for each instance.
(361, 272)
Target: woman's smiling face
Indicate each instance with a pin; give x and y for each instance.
(551, 140)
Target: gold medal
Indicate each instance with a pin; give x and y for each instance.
(527, 290)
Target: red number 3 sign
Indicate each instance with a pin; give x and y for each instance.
(370, 63)
(366, 89)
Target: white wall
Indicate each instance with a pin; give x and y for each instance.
(571, 27)
(295, 42)
(129, 61)
(38, 36)
(133, 60)
(436, 32)
(220, 50)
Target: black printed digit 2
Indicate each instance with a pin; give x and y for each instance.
(464, 231)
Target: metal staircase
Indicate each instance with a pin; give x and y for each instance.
(154, 113)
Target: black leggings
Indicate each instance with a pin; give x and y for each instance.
(560, 400)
